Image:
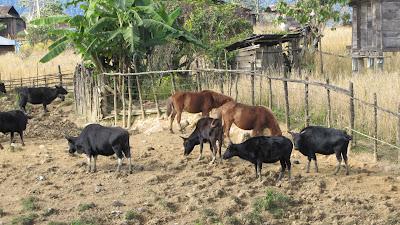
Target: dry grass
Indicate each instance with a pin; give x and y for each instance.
(26, 63)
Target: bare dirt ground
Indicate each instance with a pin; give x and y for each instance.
(41, 183)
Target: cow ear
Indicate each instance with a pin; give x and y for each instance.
(70, 139)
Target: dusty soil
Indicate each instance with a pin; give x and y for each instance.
(166, 188)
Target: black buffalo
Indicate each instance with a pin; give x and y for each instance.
(263, 149)
(40, 95)
(207, 130)
(13, 121)
(99, 140)
(325, 141)
(3, 88)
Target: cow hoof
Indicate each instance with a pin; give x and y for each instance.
(171, 131)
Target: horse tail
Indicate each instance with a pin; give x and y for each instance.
(273, 124)
(170, 106)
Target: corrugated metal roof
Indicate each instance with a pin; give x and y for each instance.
(7, 42)
(264, 39)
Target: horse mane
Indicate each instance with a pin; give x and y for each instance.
(220, 99)
(273, 123)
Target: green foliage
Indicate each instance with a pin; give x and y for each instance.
(30, 203)
(274, 202)
(2, 26)
(57, 223)
(24, 219)
(107, 29)
(86, 206)
(42, 33)
(315, 13)
(133, 215)
(216, 25)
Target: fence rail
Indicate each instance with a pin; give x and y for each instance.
(142, 101)
(63, 78)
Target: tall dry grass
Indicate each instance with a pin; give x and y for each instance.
(26, 63)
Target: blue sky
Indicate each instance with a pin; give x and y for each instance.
(70, 11)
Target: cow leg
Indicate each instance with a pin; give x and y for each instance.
(213, 150)
(89, 163)
(130, 165)
(94, 164)
(283, 167)
(119, 164)
(346, 163)
(214, 144)
(127, 154)
(339, 159)
(11, 137)
(315, 164)
(172, 120)
(289, 166)
(219, 148)
(22, 103)
(308, 165)
(259, 166)
(21, 135)
(201, 150)
(45, 108)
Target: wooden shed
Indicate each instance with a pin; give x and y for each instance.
(7, 45)
(376, 29)
(266, 51)
(12, 20)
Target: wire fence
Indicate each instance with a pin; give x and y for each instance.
(298, 102)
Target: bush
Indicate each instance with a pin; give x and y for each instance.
(24, 219)
(274, 202)
(86, 206)
(30, 203)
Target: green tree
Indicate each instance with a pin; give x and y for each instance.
(40, 34)
(116, 35)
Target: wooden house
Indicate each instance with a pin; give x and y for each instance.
(265, 51)
(376, 29)
(7, 45)
(12, 21)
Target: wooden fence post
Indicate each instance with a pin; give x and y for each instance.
(285, 87)
(270, 93)
(198, 81)
(328, 94)
(306, 104)
(140, 97)
(11, 83)
(21, 82)
(221, 82)
(375, 128)
(352, 114)
(253, 100)
(230, 81)
(398, 132)
(260, 91)
(129, 101)
(123, 101)
(60, 76)
(155, 94)
(172, 82)
(236, 82)
(45, 81)
(115, 102)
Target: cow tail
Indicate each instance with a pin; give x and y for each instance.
(170, 106)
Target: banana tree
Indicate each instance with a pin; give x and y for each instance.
(111, 33)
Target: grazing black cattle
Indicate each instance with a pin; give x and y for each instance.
(3, 88)
(13, 121)
(207, 130)
(326, 141)
(263, 149)
(40, 95)
(99, 140)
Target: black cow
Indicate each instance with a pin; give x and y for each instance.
(326, 141)
(97, 140)
(263, 149)
(40, 95)
(3, 88)
(13, 121)
(207, 130)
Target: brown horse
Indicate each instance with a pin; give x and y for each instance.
(194, 102)
(246, 117)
